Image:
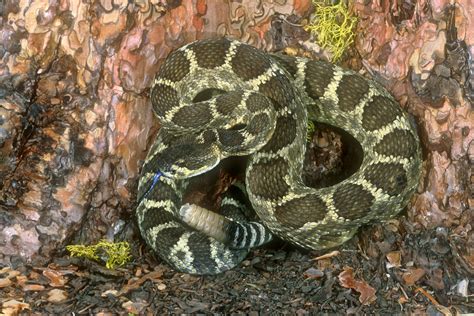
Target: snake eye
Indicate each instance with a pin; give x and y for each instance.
(174, 167)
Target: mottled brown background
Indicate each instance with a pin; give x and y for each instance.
(76, 121)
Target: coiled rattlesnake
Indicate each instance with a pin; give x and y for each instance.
(259, 106)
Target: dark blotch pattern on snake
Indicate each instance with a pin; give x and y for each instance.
(258, 105)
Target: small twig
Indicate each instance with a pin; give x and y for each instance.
(362, 253)
(427, 295)
(290, 23)
(327, 255)
(403, 291)
(443, 309)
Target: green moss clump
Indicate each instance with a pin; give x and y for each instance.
(334, 27)
(310, 128)
(113, 254)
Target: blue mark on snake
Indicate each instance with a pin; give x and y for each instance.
(155, 179)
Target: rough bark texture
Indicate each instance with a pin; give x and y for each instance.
(76, 121)
(75, 117)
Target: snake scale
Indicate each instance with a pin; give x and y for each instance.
(218, 98)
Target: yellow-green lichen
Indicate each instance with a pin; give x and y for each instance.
(310, 128)
(334, 27)
(113, 254)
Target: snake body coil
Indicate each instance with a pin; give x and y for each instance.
(258, 105)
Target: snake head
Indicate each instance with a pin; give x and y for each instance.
(188, 160)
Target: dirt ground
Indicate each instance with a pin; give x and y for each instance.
(386, 269)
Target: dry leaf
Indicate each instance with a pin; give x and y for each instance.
(33, 275)
(469, 258)
(11, 273)
(57, 296)
(13, 307)
(412, 276)
(367, 293)
(56, 278)
(5, 270)
(135, 283)
(134, 307)
(394, 259)
(33, 287)
(5, 282)
(402, 300)
(21, 280)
